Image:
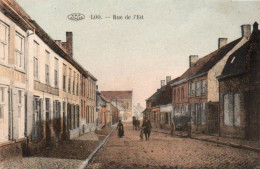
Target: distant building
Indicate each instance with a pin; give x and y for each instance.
(123, 99)
(92, 116)
(120, 109)
(159, 107)
(137, 111)
(103, 111)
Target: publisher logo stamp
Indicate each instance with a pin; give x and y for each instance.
(76, 16)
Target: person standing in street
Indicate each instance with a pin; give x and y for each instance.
(147, 128)
(120, 128)
(172, 128)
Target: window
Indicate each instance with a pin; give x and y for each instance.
(182, 93)
(64, 76)
(93, 112)
(198, 88)
(56, 68)
(73, 84)
(84, 107)
(4, 33)
(36, 124)
(89, 88)
(69, 83)
(178, 94)
(20, 96)
(35, 67)
(35, 59)
(47, 109)
(237, 103)
(203, 114)
(232, 103)
(77, 87)
(47, 75)
(87, 119)
(228, 109)
(64, 116)
(204, 87)
(193, 113)
(47, 71)
(192, 89)
(19, 51)
(20, 102)
(78, 118)
(198, 112)
(2, 101)
(69, 107)
(83, 84)
(174, 95)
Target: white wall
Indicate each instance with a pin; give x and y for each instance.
(12, 79)
(213, 85)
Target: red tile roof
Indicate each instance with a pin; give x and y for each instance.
(112, 95)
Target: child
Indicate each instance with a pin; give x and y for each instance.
(141, 133)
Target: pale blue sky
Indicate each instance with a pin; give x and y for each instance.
(137, 54)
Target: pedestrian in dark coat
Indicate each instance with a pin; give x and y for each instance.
(147, 128)
(120, 128)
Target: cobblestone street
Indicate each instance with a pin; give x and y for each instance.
(164, 151)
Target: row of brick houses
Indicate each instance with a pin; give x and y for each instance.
(45, 94)
(220, 91)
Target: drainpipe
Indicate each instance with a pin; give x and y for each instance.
(10, 119)
(29, 32)
(220, 99)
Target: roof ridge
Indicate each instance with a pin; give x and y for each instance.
(198, 67)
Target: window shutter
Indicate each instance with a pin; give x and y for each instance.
(237, 108)
(15, 114)
(226, 110)
(203, 114)
(231, 108)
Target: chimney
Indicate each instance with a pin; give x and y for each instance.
(58, 42)
(255, 26)
(69, 44)
(222, 42)
(168, 79)
(193, 59)
(246, 31)
(162, 83)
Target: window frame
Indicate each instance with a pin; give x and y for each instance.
(233, 115)
(20, 52)
(69, 81)
(3, 101)
(64, 77)
(47, 67)
(56, 74)
(36, 61)
(5, 43)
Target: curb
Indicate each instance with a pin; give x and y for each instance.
(222, 143)
(86, 162)
(229, 144)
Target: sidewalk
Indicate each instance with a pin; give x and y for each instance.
(233, 142)
(238, 143)
(68, 154)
